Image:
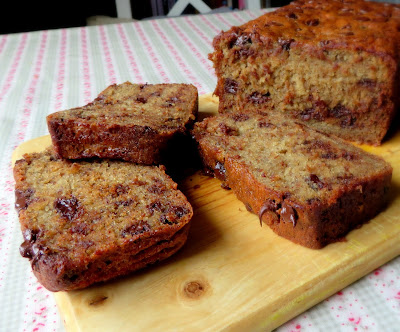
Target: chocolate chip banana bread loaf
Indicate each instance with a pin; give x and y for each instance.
(309, 187)
(87, 222)
(133, 122)
(333, 64)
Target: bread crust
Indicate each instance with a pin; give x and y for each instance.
(337, 202)
(332, 64)
(89, 222)
(132, 122)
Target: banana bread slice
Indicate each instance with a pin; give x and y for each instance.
(333, 64)
(133, 122)
(309, 187)
(88, 222)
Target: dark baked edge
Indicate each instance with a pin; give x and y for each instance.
(315, 225)
(57, 273)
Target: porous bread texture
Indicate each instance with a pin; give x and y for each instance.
(332, 64)
(132, 122)
(308, 187)
(88, 222)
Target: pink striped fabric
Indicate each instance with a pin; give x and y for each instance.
(151, 53)
(86, 77)
(203, 58)
(107, 56)
(60, 80)
(3, 42)
(11, 74)
(129, 53)
(174, 52)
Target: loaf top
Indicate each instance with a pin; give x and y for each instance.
(84, 209)
(320, 25)
(163, 107)
(289, 158)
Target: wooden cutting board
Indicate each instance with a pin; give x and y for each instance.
(232, 274)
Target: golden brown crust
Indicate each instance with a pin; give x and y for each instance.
(87, 222)
(133, 122)
(58, 274)
(319, 25)
(308, 187)
(333, 64)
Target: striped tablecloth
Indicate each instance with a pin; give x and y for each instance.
(46, 71)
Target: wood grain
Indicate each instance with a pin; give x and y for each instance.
(232, 274)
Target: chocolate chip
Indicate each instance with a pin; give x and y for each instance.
(179, 211)
(311, 113)
(348, 121)
(120, 190)
(231, 86)
(318, 144)
(314, 200)
(156, 189)
(285, 43)
(164, 220)
(69, 208)
(367, 83)
(240, 117)
(33, 251)
(224, 185)
(349, 155)
(30, 235)
(80, 228)
(259, 98)
(227, 130)
(243, 40)
(155, 206)
(136, 228)
(23, 198)
(329, 155)
(345, 179)
(339, 111)
(37, 251)
(25, 249)
(314, 182)
(124, 203)
(288, 213)
(343, 113)
(313, 22)
(142, 100)
(220, 170)
(292, 16)
(269, 205)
